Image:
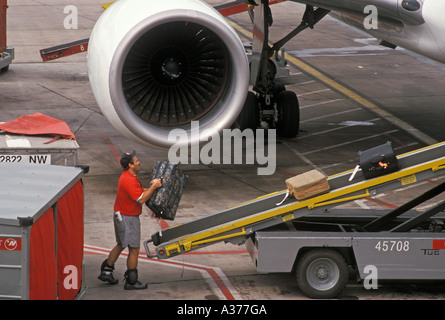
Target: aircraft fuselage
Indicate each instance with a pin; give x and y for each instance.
(416, 25)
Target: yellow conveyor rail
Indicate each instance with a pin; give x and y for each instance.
(241, 220)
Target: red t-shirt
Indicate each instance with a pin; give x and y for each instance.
(129, 190)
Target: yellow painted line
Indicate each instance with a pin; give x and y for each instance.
(422, 149)
(348, 92)
(106, 5)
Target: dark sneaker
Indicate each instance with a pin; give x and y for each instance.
(137, 286)
(107, 277)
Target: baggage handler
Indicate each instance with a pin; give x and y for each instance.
(130, 197)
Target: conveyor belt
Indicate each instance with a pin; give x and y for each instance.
(236, 223)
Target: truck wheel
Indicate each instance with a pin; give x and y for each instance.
(322, 273)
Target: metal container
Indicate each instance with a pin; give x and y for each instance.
(36, 150)
(41, 231)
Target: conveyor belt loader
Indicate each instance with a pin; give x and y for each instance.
(279, 237)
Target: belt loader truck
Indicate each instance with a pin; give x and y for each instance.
(322, 244)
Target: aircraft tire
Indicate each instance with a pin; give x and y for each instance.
(288, 123)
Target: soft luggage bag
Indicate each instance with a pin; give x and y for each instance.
(308, 184)
(165, 200)
(378, 161)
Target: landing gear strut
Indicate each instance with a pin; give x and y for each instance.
(271, 103)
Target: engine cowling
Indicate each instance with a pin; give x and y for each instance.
(157, 65)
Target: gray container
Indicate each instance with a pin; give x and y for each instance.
(36, 150)
(27, 193)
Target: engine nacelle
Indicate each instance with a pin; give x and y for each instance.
(157, 65)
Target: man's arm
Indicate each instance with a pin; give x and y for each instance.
(148, 192)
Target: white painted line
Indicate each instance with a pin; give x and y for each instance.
(361, 204)
(331, 114)
(349, 142)
(320, 103)
(330, 130)
(300, 155)
(313, 92)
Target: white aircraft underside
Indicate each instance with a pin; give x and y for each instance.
(415, 25)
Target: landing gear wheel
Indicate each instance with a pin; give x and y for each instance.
(322, 273)
(278, 88)
(249, 116)
(288, 123)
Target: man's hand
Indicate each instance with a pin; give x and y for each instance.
(157, 183)
(148, 192)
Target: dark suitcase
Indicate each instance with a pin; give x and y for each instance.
(378, 161)
(165, 200)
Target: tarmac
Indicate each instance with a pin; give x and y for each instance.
(405, 92)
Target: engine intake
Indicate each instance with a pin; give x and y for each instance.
(158, 65)
(178, 77)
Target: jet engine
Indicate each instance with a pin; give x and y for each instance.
(155, 66)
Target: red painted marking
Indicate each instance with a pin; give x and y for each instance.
(112, 148)
(386, 204)
(219, 282)
(439, 244)
(432, 181)
(164, 224)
